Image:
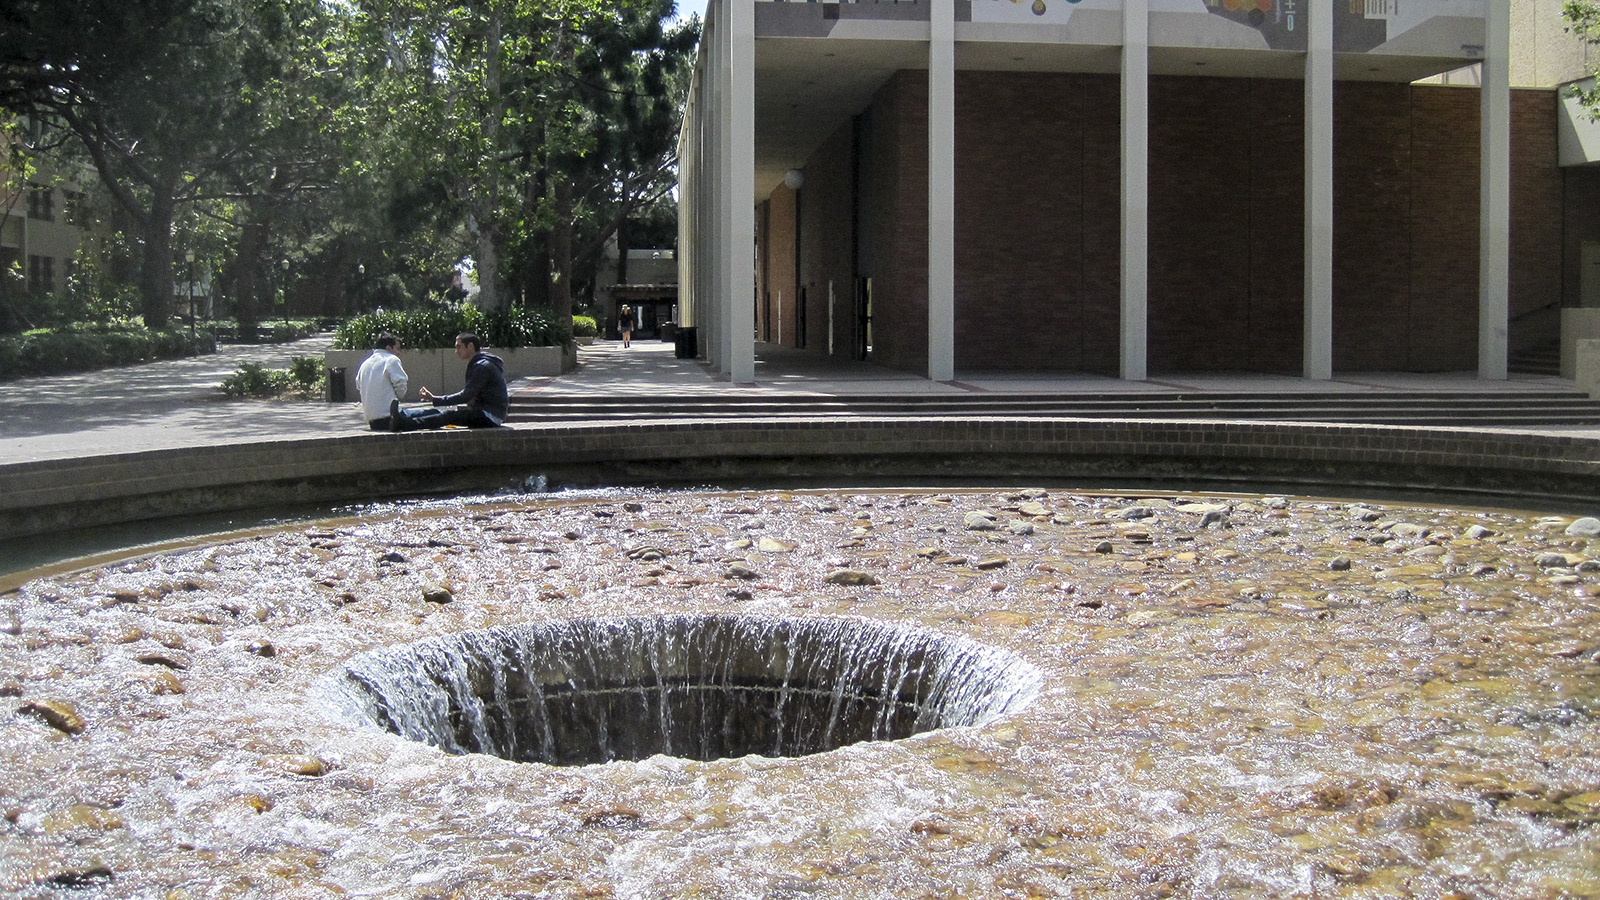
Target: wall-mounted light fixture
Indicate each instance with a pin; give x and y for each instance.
(794, 179)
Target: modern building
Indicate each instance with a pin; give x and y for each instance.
(1132, 187)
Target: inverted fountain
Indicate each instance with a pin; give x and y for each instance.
(690, 686)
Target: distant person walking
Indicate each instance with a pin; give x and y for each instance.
(381, 381)
(625, 323)
(483, 403)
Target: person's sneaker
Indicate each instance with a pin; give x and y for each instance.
(394, 415)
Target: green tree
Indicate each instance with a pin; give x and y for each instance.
(152, 92)
(455, 75)
(1583, 19)
(631, 78)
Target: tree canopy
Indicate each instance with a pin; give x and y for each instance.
(368, 144)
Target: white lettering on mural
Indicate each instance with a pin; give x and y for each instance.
(1404, 15)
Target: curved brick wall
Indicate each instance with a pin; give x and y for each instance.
(1499, 467)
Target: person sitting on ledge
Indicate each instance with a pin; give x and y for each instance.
(381, 381)
(483, 403)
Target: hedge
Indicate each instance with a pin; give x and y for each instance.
(436, 329)
(88, 347)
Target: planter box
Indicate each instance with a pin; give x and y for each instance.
(1586, 366)
(442, 373)
(1576, 324)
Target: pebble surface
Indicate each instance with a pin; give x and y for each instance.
(1244, 696)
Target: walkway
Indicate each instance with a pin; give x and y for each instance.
(164, 405)
(180, 404)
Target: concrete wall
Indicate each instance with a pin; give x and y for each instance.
(441, 372)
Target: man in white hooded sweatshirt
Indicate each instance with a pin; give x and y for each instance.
(382, 382)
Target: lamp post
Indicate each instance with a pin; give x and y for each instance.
(188, 257)
(285, 286)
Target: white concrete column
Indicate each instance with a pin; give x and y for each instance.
(716, 230)
(741, 150)
(1135, 188)
(1317, 356)
(942, 191)
(690, 202)
(1494, 216)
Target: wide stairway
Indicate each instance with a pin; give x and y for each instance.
(1522, 408)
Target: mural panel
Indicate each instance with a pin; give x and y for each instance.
(1056, 12)
(1413, 27)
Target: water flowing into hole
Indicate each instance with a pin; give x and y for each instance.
(694, 686)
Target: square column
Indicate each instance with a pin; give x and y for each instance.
(739, 287)
(1135, 189)
(942, 191)
(1317, 351)
(1494, 215)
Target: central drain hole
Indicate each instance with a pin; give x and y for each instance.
(698, 687)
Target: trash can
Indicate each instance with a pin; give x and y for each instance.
(685, 344)
(336, 384)
(669, 332)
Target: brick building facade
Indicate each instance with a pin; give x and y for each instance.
(1040, 209)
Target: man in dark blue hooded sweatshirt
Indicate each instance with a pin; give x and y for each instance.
(481, 404)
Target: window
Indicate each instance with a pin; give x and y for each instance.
(42, 204)
(42, 273)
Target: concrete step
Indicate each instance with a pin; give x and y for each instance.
(1540, 359)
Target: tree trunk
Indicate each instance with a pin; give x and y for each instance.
(561, 254)
(155, 274)
(490, 297)
(622, 252)
(247, 275)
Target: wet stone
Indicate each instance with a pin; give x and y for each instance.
(80, 878)
(295, 764)
(169, 659)
(979, 521)
(851, 577)
(58, 714)
(1586, 527)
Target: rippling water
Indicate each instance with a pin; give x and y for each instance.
(1241, 697)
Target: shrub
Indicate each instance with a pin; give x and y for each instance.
(85, 347)
(278, 332)
(304, 377)
(436, 329)
(585, 326)
(306, 372)
(253, 380)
